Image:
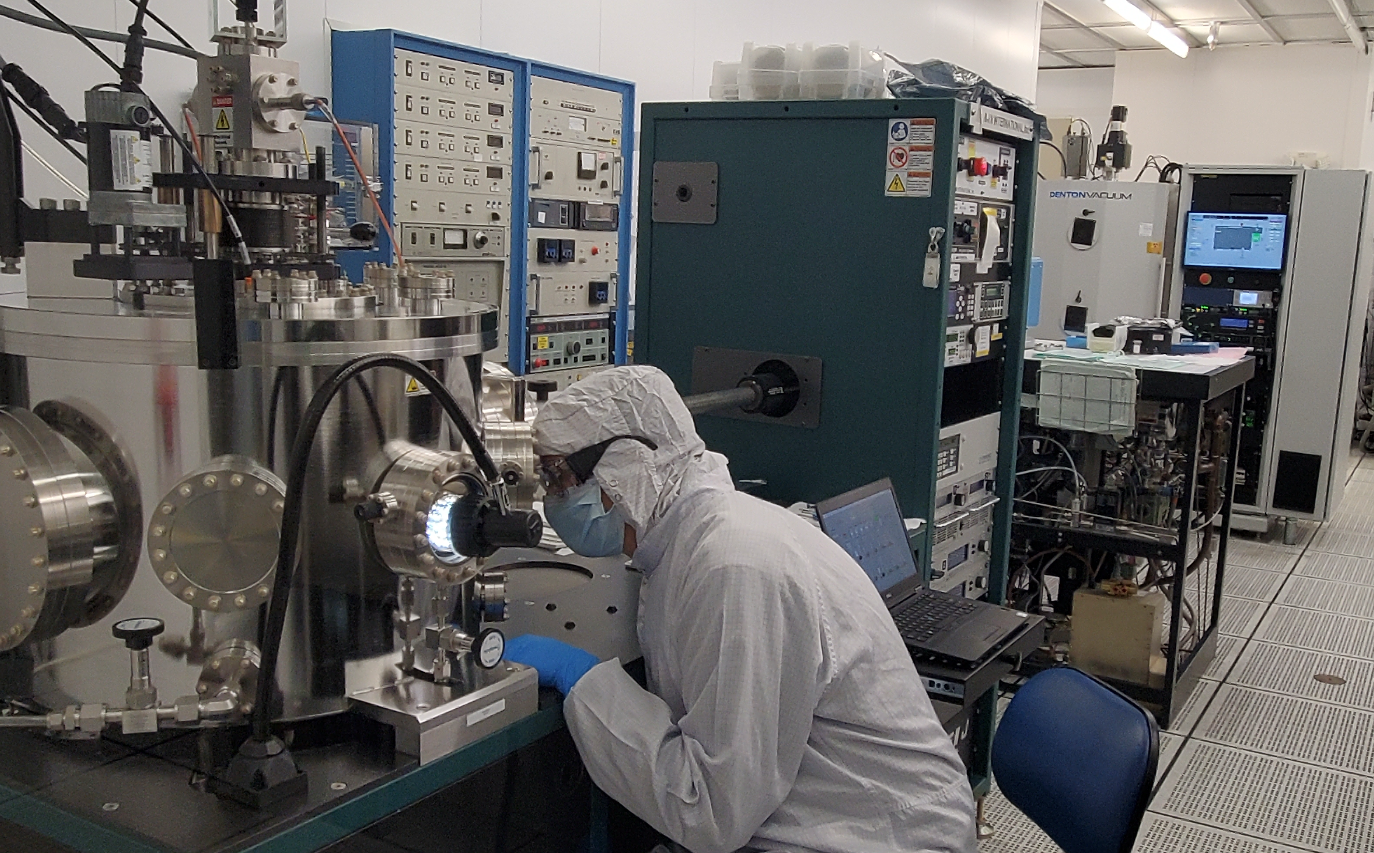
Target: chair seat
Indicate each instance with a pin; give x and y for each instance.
(1078, 758)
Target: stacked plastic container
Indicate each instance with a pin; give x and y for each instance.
(778, 73)
(841, 72)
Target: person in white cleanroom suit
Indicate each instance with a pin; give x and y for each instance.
(783, 711)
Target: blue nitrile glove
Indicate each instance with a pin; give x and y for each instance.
(558, 664)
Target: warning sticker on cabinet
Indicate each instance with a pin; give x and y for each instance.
(982, 341)
(414, 388)
(222, 115)
(910, 163)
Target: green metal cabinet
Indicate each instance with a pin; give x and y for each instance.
(776, 228)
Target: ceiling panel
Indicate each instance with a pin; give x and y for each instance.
(1292, 7)
(1049, 60)
(1095, 57)
(1238, 34)
(1200, 10)
(1363, 5)
(1087, 11)
(1070, 39)
(1311, 29)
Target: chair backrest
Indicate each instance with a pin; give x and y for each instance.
(1079, 759)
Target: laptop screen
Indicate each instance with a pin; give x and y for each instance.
(867, 524)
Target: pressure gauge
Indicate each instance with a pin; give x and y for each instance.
(491, 647)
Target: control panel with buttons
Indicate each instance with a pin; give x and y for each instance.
(586, 341)
(576, 188)
(965, 495)
(986, 168)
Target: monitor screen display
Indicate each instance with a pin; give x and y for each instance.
(871, 530)
(1235, 240)
(1234, 323)
(1247, 297)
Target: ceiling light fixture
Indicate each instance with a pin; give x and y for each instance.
(1165, 36)
(1130, 12)
(1154, 29)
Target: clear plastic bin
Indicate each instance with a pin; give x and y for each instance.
(841, 72)
(769, 73)
(725, 81)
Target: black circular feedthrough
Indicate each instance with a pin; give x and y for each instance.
(778, 389)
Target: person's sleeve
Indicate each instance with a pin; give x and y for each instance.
(751, 667)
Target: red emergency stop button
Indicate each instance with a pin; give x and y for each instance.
(541, 362)
(596, 250)
(978, 167)
(1205, 278)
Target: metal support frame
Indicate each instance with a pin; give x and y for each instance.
(1352, 29)
(1262, 21)
(1184, 668)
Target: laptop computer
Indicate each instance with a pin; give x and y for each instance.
(867, 524)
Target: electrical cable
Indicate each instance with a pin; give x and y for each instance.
(193, 133)
(1064, 450)
(1062, 159)
(362, 177)
(43, 125)
(166, 26)
(1152, 160)
(297, 468)
(162, 117)
(98, 35)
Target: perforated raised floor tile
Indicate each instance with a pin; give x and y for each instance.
(1228, 649)
(1269, 797)
(1239, 616)
(1315, 732)
(1254, 584)
(1270, 556)
(1292, 672)
(1323, 632)
(1328, 596)
(1340, 539)
(1336, 567)
(1163, 834)
(1191, 711)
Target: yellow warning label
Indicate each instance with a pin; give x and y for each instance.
(414, 388)
(896, 185)
(541, 342)
(223, 122)
(1155, 247)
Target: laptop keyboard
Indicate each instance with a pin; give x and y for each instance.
(926, 615)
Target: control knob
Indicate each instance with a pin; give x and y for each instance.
(137, 633)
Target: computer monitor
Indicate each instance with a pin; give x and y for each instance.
(1246, 241)
(867, 524)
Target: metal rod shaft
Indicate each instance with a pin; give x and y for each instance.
(745, 395)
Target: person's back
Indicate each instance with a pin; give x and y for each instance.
(784, 713)
(876, 770)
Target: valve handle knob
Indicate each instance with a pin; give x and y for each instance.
(137, 633)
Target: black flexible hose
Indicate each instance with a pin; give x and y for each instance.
(42, 125)
(297, 468)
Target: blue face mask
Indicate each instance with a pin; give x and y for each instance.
(584, 524)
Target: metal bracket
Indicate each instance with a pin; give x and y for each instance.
(715, 369)
(685, 192)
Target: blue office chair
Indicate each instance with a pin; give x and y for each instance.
(1079, 759)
